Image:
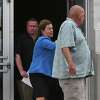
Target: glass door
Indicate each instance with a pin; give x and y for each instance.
(6, 51)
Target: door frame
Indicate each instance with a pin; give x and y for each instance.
(8, 80)
(91, 42)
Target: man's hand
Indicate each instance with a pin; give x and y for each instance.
(24, 73)
(72, 69)
(20, 67)
(68, 56)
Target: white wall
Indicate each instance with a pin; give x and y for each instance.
(97, 45)
(97, 24)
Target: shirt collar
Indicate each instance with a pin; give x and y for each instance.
(72, 21)
(46, 36)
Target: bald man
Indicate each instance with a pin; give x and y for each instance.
(72, 61)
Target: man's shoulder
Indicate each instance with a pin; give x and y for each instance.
(67, 23)
(23, 35)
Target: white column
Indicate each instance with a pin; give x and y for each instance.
(97, 45)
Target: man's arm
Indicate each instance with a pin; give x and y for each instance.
(68, 56)
(22, 72)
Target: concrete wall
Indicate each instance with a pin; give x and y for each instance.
(97, 46)
(91, 41)
(97, 25)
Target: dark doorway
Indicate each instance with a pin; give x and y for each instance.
(55, 10)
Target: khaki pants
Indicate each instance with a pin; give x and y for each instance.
(25, 92)
(74, 89)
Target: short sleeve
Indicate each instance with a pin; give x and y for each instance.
(66, 35)
(18, 46)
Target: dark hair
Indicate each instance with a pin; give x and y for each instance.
(31, 19)
(43, 24)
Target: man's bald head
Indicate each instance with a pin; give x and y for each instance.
(77, 13)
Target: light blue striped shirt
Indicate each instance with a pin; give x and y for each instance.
(70, 35)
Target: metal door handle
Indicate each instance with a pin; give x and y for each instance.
(2, 57)
(7, 68)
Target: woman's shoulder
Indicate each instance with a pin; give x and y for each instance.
(43, 38)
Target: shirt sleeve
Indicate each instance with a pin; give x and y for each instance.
(48, 44)
(66, 35)
(18, 46)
